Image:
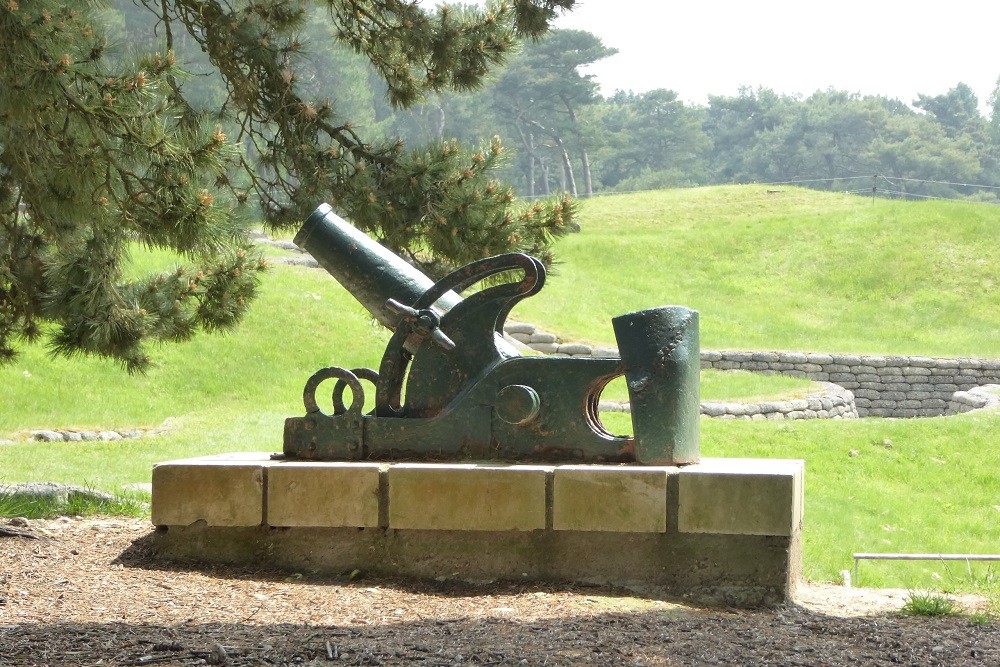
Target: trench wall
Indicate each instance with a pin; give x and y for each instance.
(881, 386)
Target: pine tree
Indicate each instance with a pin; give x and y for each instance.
(100, 152)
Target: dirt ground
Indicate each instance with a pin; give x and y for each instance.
(84, 592)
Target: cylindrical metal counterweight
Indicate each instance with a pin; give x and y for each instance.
(662, 360)
(369, 271)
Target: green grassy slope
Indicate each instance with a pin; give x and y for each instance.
(795, 270)
(302, 321)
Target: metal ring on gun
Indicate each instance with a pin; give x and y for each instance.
(343, 376)
(338, 389)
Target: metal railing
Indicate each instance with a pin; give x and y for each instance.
(942, 557)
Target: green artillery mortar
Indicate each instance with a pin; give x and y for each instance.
(469, 394)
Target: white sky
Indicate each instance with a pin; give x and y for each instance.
(699, 47)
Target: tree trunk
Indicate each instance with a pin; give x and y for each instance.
(439, 128)
(588, 183)
(531, 165)
(569, 181)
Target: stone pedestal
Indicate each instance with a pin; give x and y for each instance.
(722, 531)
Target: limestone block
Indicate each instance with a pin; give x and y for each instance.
(741, 497)
(467, 496)
(226, 490)
(323, 494)
(631, 499)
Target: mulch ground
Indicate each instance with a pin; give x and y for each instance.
(85, 592)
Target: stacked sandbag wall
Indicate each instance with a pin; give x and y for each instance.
(882, 386)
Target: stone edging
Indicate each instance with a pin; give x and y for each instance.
(303, 258)
(44, 435)
(830, 401)
(62, 494)
(977, 399)
(89, 435)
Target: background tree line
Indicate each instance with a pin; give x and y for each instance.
(570, 138)
(567, 137)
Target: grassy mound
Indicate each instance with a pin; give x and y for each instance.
(795, 270)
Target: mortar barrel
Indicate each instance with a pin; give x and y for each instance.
(661, 357)
(369, 271)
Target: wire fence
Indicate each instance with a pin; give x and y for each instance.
(891, 188)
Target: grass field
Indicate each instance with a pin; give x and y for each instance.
(798, 270)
